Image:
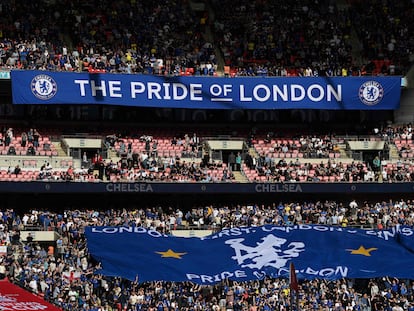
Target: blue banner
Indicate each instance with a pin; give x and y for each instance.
(253, 253)
(334, 93)
(292, 190)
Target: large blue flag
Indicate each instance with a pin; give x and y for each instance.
(252, 253)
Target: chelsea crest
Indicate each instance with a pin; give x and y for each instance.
(43, 87)
(371, 93)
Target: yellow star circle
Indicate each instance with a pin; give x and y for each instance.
(171, 254)
(362, 251)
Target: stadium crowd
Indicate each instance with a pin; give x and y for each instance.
(314, 38)
(64, 274)
(172, 159)
(301, 38)
(126, 37)
(260, 169)
(386, 43)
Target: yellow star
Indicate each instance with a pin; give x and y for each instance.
(171, 254)
(362, 251)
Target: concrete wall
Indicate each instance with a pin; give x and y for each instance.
(191, 233)
(83, 143)
(35, 162)
(366, 145)
(226, 144)
(406, 112)
(40, 236)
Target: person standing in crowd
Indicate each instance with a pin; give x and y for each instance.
(232, 160)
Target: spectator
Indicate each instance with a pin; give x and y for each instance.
(24, 139)
(31, 150)
(11, 151)
(232, 160)
(17, 170)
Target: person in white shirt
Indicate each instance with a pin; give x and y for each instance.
(33, 286)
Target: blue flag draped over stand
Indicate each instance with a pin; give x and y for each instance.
(251, 253)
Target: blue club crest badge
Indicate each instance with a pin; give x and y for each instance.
(43, 87)
(270, 252)
(371, 93)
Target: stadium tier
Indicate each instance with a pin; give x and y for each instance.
(206, 155)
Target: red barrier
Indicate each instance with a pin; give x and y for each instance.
(13, 297)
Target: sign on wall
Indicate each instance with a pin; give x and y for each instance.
(334, 93)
